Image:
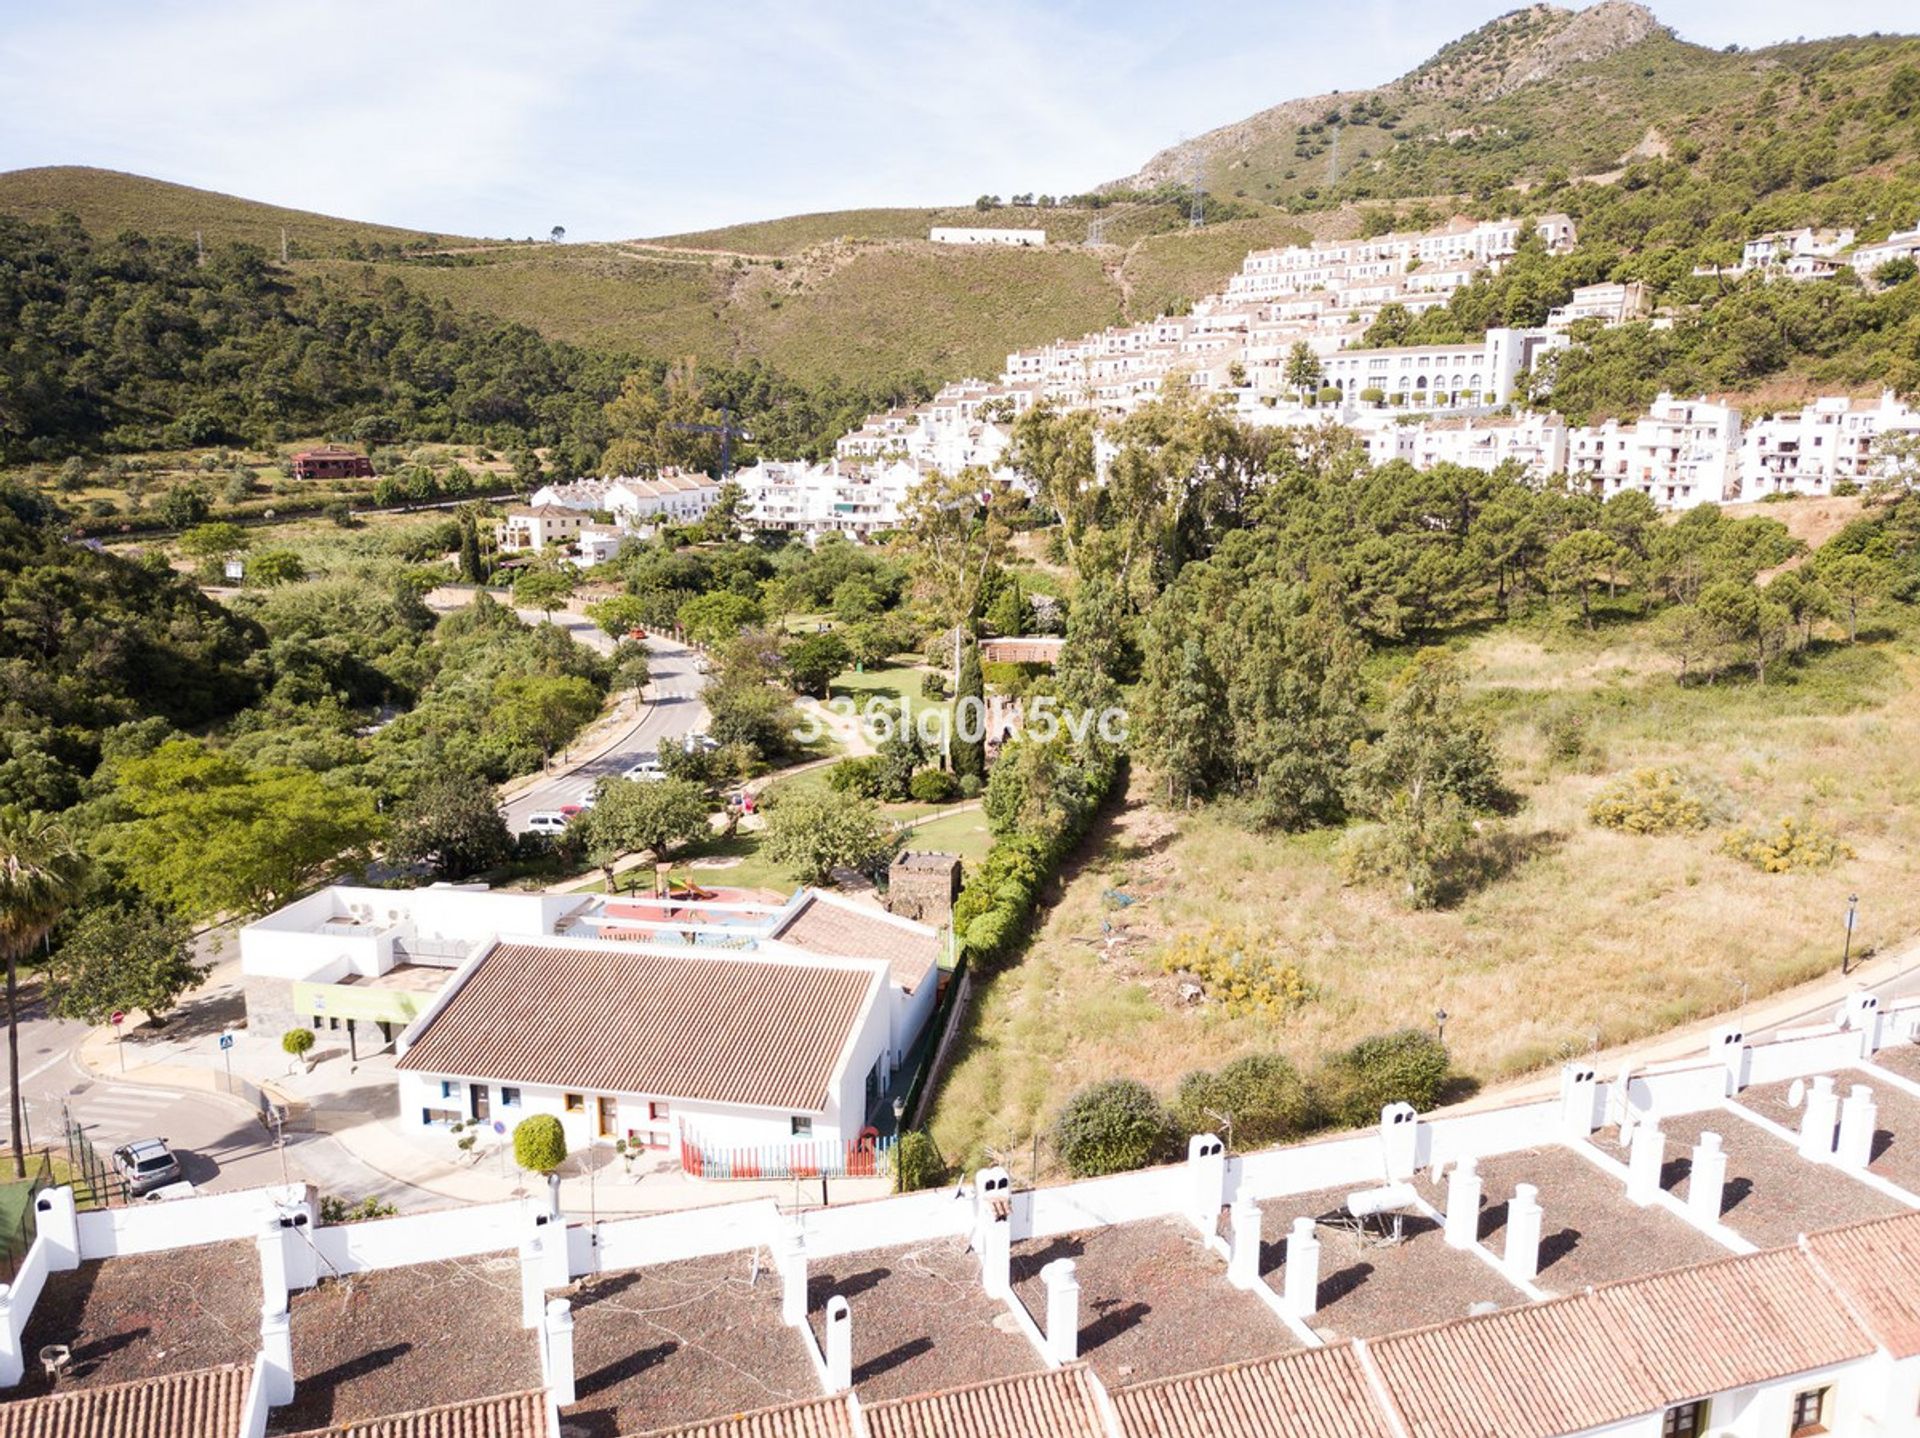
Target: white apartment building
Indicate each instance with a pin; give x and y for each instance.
(1680, 453)
(1611, 304)
(1805, 253)
(672, 496)
(970, 235)
(536, 527)
(1808, 451)
(1537, 443)
(857, 498)
(1480, 374)
(1901, 245)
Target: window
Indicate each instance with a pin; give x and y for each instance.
(1810, 1410)
(802, 1126)
(657, 1111)
(449, 1089)
(576, 1103)
(509, 1097)
(1687, 1420)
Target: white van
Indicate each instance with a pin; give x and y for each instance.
(649, 770)
(547, 821)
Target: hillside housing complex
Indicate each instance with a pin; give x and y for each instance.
(1720, 1245)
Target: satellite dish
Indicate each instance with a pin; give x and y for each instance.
(1796, 1093)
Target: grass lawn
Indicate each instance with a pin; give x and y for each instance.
(963, 834)
(1592, 937)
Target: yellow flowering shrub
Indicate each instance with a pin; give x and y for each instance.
(1650, 801)
(1792, 846)
(1238, 970)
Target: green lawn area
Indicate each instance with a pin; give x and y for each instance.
(963, 834)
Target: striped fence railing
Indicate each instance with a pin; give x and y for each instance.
(866, 1157)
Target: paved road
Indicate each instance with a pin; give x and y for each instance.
(673, 709)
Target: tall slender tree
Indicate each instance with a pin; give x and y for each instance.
(41, 873)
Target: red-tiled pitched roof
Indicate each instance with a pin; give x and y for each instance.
(834, 929)
(1057, 1404)
(1315, 1393)
(1620, 1351)
(721, 1030)
(816, 1418)
(512, 1415)
(200, 1403)
(1877, 1266)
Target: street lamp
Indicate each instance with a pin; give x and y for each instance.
(1440, 1025)
(1846, 953)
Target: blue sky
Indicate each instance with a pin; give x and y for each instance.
(499, 117)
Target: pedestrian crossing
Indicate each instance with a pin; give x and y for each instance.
(112, 1114)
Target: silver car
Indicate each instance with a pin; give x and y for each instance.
(146, 1165)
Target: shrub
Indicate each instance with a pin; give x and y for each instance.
(917, 1163)
(933, 786)
(933, 685)
(1263, 1094)
(1408, 1066)
(338, 1210)
(856, 776)
(539, 1143)
(1111, 1127)
(970, 786)
(1650, 801)
(297, 1041)
(1792, 846)
(1237, 970)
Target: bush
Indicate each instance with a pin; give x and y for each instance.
(1650, 801)
(1409, 1066)
(297, 1041)
(1792, 846)
(1237, 971)
(970, 786)
(1263, 1094)
(539, 1143)
(1111, 1127)
(933, 685)
(856, 776)
(917, 1163)
(338, 1210)
(933, 786)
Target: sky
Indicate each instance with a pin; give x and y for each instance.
(619, 120)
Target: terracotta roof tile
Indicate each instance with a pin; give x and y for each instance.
(1527, 1372)
(1315, 1393)
(512, 1415)
(839, 930)
(200, 1403)
(1057, 1404)
(816, 1418)
(1877, 1266)
(621, 1020)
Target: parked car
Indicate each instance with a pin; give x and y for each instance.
(182, 1189)
(547, 821)
(648, 770)
(698, 740)
(145, 1165)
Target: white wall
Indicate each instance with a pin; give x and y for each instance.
(691, 1233)
(1801, 1058)
(424, 1237)
(183, 1222)
(16, 1307)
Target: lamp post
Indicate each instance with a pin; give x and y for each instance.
(1846, 953)
(1440, 1026)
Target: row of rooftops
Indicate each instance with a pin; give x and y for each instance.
(682, 1326)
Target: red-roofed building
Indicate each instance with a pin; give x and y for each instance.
(331, 461)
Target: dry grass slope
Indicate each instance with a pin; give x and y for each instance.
(1594, 937)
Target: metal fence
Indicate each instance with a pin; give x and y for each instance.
(866, 1157)
(95, 1184)
(18, 1225)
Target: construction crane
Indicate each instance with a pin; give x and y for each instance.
(726, 429)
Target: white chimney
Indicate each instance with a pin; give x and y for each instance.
(556, 1353)
(1302, 1294)
(1728, 1047)
(1521, 1261)
(1859, 1116)
(1863, 1017)
(1207, 1165)
(839, 1345)
(57, 1221)
(1579, 1083)
(793, 1278)
(1817, 1120)
(1463, 1205)
(1243, 1266)
(533, 1278)
(276, 1357)
(1400, 1140)
(1063, 1310)
(1707, 1179)
(1644, 1162)
(996, 1256)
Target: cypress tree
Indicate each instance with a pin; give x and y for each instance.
(969, 747)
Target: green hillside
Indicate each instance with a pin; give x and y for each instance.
(108, 202)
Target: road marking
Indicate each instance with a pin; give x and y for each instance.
(59, 1058)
